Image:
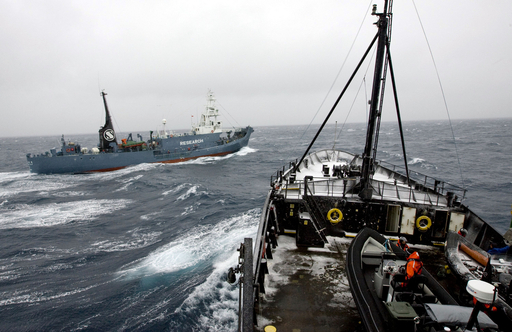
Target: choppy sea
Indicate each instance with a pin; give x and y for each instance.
(147, 248)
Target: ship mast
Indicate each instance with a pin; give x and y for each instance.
(107, 133)
(379, 80)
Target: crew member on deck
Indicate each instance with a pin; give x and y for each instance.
(413, 267)
(402, 244)
(495, 249)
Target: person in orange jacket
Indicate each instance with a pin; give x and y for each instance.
(462, 232)
(413, 267)
(402, 244)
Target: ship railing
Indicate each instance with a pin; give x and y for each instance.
(421, 181)
(422, 188)
(385, 190)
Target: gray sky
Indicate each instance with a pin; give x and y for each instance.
(268, 62)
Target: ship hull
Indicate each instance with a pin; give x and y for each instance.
(169, 150)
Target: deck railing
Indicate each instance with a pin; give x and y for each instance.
(423, 189)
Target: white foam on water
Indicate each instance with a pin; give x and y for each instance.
(69, 194)
(220, 312)
(151, 215)
(189, 209)
(28, 183)
(191, 191)
(245, 151)
(138, 239)
(32, 297)
(416, 161)
(144, 315)
(200, 244)
(128, 182)
(10, 176)
(28, 216)
(176, 189)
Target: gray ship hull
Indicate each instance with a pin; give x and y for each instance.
(167, 150)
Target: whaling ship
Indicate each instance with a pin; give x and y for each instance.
(207, 138)
(319, 202)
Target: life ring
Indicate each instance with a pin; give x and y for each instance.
(420, 223)
(212, 131)
(338, 216)
(67, 150)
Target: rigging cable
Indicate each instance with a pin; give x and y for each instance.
(339, 72)
(230, 116)
(444, 97)
(363, 84)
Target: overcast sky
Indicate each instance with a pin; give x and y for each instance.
(268, 62)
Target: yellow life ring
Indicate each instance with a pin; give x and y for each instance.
(420, 223)
(335, 216)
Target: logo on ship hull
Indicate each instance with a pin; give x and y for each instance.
(109, 135)
(196, 141)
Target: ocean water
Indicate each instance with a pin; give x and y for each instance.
(147, 248)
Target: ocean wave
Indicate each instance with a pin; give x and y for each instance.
(10, 176)
(415, 161)
(12, 186)
(190, 192)
(138, 239)
(189, 209)
(29, 216)
(215, 302)
(200, 244)
(176, 189)
(245, 151)
(18, 297)
(151, 215)
(128, 182)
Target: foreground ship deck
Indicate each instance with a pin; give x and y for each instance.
(307, 290)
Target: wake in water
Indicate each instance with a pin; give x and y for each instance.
(213, 303)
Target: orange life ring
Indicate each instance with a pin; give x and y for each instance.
(67, 150)
(212, 131)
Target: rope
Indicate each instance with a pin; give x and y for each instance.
(442, 92)
(230, 116)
